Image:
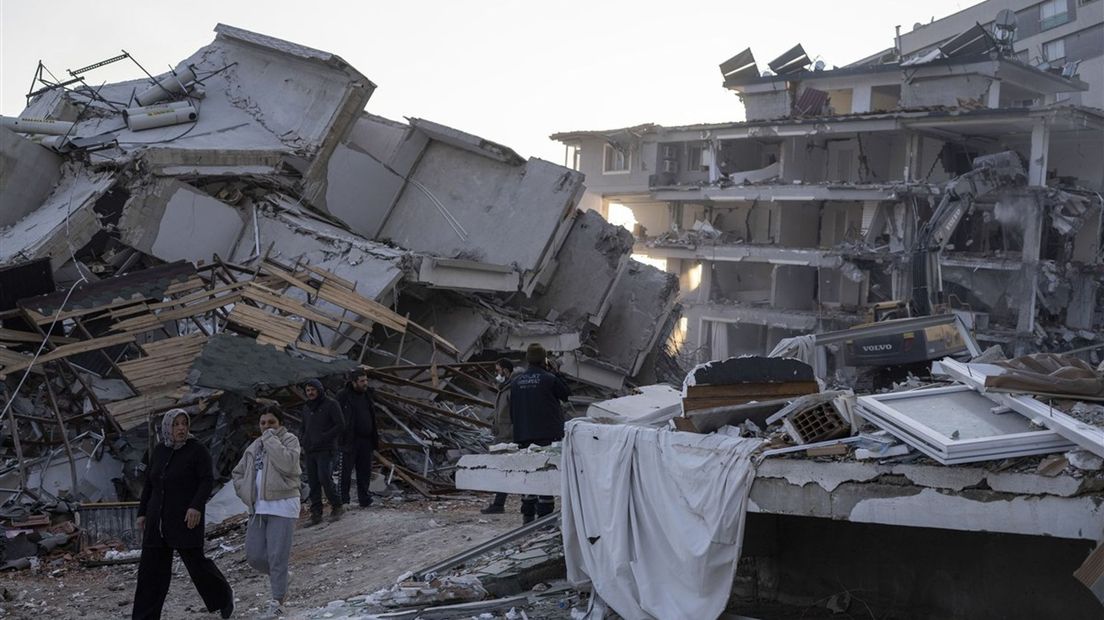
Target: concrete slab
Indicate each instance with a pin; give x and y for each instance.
(63, 224)
(652, 400)
(175, 221)
(37, 169)
(462, 205)
(588, 267)
(518, 473)
(641, 303)
(956, 498)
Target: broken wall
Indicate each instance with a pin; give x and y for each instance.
(587, 269)
(174, 221)
(28, 172)
(637, 319)
(460, 193)
(947, 90)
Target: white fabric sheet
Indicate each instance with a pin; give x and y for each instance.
(654, 519)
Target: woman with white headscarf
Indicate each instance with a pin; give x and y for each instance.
(178, 483)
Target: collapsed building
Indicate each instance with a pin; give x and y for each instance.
(852, 189)
(211, 237)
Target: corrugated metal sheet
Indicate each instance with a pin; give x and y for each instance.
(109, 522)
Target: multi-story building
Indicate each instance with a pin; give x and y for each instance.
(1059, 33)
(807, 213)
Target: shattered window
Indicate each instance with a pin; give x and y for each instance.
(615, 160)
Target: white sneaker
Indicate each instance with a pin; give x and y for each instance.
(273, 610)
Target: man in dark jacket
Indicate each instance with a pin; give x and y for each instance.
(503, 427)
(322, 425)
(360, 438)
(535, 410)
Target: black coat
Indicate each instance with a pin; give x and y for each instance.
(322, 425)
(535, 408)
(176, 480)
(359, 410)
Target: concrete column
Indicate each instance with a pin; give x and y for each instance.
(860, 98)
(1082, 305)
(674, 213)
(993, 100)
(706, 287)
(711, 154)
(1040, 148)
(1032, 247)
(914, 151)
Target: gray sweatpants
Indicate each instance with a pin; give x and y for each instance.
(267, 547)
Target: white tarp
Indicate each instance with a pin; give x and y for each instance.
(654, 519)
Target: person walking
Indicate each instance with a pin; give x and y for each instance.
(537, 416)
(267, 481)
(178, 484)
(322, 425)
(503, 427)
(360, 438)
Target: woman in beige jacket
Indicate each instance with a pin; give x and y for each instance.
(267, 479)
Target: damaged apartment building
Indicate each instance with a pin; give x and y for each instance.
(217, 234)
(959, 178)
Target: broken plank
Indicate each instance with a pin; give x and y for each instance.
(13, 335)
(402, 473)
(70, 349)
(268, 297)
(275, 327)
(42, 319)
(332, 277)
(386, 378)
(431, 408)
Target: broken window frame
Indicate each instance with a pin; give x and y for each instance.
(878, 408)
(615, 160)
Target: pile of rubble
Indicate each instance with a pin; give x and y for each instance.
(983, 444)
(212, 237)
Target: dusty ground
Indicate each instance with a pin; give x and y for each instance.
(365, 551)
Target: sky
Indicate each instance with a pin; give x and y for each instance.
(513, 72)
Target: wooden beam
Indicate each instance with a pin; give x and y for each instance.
(440, 411)
(69, 350)
(386, 378)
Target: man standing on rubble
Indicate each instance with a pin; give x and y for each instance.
(503, 426)
(535, 397)
(322, 425)
(360, 438)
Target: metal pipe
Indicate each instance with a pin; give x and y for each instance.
(161, 117)
(46, 126)
(172, 85)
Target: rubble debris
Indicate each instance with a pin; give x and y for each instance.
(814, 418)
(742, 388)
(957, 425)
(218, 251)
(1087, 435)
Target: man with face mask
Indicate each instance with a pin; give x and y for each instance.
(503, 427)
(360, 438)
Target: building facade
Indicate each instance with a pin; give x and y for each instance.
(1055, 32)
(807, 214)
